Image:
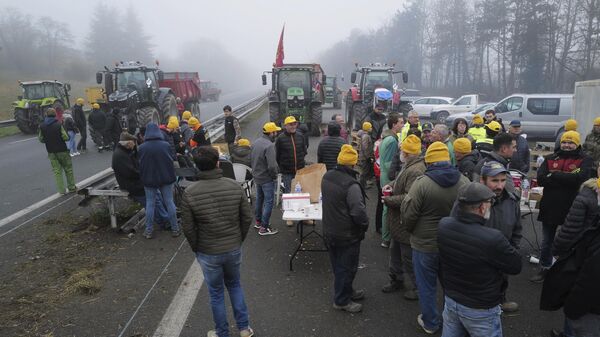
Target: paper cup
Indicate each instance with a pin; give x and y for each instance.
(532, 204)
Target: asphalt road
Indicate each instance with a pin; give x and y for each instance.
(26, 176)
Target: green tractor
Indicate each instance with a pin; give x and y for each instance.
(297, 90)
(333, 94)
(39, 96)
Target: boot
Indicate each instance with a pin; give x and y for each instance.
(411, 293)
(392, 286)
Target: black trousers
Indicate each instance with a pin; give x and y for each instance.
(82, 145)
(379, 210)
(344, 263)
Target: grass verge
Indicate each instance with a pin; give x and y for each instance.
(9, 131)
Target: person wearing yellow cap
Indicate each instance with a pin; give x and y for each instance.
(291, 148)
(366, 156)
(561, 175)
(570, 125)
(486, 145)
(81, 123)
(591, 146)
(490, 115)
(345, 222)
(113, 128)
(400, 264)
(240, 152)
(429, 199)
(97, 121)
(466, 157)
(477, 130)
(184, 127)
(170, 132)
(201, 136)
(264, 171)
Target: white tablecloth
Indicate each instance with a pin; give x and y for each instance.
(313, 213)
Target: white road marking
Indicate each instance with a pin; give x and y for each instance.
(37, 216)
(176, 315)
(22, 140)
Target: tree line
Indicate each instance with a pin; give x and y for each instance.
(492, 47)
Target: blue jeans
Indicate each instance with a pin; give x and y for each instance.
(71, 145)
(344, 263)
(151, 195)
(160, 212)
(587, 325)
(548, 232)
(426, 267)
(286, 178)
(265, 195)
(460, 320)
(219, 270)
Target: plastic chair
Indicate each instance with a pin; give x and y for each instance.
(242, 173)
(227, 167)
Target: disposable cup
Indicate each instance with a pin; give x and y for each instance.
(532, 204)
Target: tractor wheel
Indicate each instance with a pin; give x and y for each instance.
(96, 136)
(23, 122)
(316, 118)
(168, 107)
(274, 113)
(359, 113)
(146, 115)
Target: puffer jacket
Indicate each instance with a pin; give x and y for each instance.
(290, 150)
(582, 215)
(328, 151)
(467, 165)
(215, 215)
(412, 169)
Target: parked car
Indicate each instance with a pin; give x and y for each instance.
(464, 103)
(425, 105)
(469, 115)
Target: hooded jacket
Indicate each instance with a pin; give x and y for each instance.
(53, 135)
(156, 159)
(467, 165)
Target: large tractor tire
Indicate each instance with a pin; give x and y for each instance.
(274, 112)
(168, 107)
(24, 124)
(316, 118)
(146, 115)
(359, 113)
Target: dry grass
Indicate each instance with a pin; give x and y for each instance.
(84, 281)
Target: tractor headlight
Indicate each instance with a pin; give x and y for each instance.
(301, 97)
(26, 105)
(290, 98)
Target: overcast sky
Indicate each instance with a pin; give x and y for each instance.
(248, 29)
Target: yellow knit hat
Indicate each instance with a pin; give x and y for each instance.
(193, 122)
(597, 121)
(173, 123)
(571, 136)
(289, 119)
(494, 126)
(437, 152)
(462, 145)
(571, 125)
(477, 119)
(80, 101)
(95, 106)
(186, 115)
(347, 155)
(411, 145)
(367, 126)
(243, 142)
(598, 182)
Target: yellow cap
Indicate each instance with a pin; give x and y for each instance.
(347, 156)
(243, 142)
(437, 152)
(571, 125)
(597, 121)
(193, 122)
(186, 115)
(411, 145)
(598, 182)
(289, 119)
(80, 101)
(270, 127)
(571, 136)
(494, 126)
(367, 126)
(95, 106)
(477, 119)
(462, 145)
(173, 123)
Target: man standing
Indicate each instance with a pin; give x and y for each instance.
(186, 131)
(54, 136)
(402, 274)
(521, 157)
(290, 150)
(591, 147)
(486, 144)
(474, 260)
(97, 120)
(264, 170)
(387, 150)
(561, 174)
(490, 116)
(366, 157)
(441, 133)
(158, 175)
(429, 199)
(217, 240)
(413, 123)
(233, 132)
(339, 119)
(345, 222)
(477, 130)
(377, 120)
(81, 123)
(504, 146)
(466, 158)
(330, 146)
(570, 125)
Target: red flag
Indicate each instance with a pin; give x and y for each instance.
(280, 55)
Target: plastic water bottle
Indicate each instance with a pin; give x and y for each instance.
(525, 190)
(298, 188)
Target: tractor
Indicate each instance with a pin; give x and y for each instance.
(39, 96)
(361, 98)
(297, 90)
(133, 92)
(333, 94)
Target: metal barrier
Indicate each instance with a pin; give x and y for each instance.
(215, 126)
(8, 122)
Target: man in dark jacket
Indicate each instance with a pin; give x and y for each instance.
(113, 128)
(473, 261)
(81, 123)
(97, 120)
(345, 222)
(291, 150)
(54, 136)
(561, 174)
(158, 175)
(233, 132)
(216, 237)
(330, 146)
(240, 153)
(264, 171)
(168, 131)
(521, 157)
(591, 146)
(201, 136)
(378, 122)
(504, 145)
(466, 157)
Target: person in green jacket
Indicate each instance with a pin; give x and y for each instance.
(54, 136)
(387, 150)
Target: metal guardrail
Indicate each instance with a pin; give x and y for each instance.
(215, 126)
(8, 122)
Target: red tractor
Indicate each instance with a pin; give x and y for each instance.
(361, 98)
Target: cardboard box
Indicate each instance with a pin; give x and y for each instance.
(295, 201)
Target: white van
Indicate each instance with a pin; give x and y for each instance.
(542, 116)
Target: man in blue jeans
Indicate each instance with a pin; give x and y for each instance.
(264, 171)
(473, 260)
(290, 149)
(158, 175)
(216, 217)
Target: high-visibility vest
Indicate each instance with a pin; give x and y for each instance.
(404, 133)
(477, 133)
